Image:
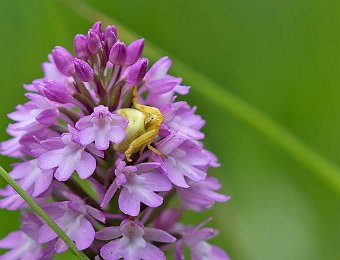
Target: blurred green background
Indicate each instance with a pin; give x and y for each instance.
(282, 56)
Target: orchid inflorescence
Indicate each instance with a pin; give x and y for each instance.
(104, 116)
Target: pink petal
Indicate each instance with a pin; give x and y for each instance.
(112, 250)
(174, 175)
(83, 235)
(109, 194)
(51, 159)
(45, 234)
(65, 169)
(43, 182)
(12, 240)
(151, 252)
(158, 235)
(150, 198)
(145, 167)
(87, 136)
(129, 203)
(156, 182)
(109, 233)
(86, 166)
(117, 134)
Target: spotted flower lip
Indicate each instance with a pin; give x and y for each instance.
(104, 146)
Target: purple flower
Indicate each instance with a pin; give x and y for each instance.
(183, 160)
(137, 72)
(118, 53)
(201, 195)
(138, 184)
(73, 222)
(134, 242)
(93, 41)
(22, 244)
(73, 122)
(101, 127)
(63, 60)
(194, 238)
(52, 73)
(28, 174)
(21, 247)
(83, 70)
(181, 119)
(80, 47)
(67, 157)
(12, 147)
(27, 114)
(12, 200)
(55, 91)
(134, 51)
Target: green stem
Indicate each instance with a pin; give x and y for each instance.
(328, 173)
(41, 213)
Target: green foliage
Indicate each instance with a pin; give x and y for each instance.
(280, 56)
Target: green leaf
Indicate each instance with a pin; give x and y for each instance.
(41, 213)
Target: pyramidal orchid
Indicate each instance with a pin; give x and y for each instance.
(102, 117)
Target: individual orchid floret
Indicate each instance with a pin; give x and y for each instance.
(55, 91)
(12, 200)
(157, 80)
(110, 36)
(63, 60)
(27, 114)
(201, 195)
(93, 41)
(137, 72)
(118, 53)
(80, 47)
(12, 146)
(71, 157)
(184, 121)
(83, 70)
(22, 244)
(195, 239)
(138, 183)
(134, 51)
(28, 174)
(74, 223)
(101, 127)
(132, 241)
(182, 160)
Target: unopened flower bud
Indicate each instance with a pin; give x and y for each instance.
(80, 47)
(97, 28)
(63, 60)
(137, 72)
(55, 91)
(134, 50)
(83, 70)
(110, 36)
(93, 42)
(118, 53)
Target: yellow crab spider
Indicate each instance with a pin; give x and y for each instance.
(143, 127)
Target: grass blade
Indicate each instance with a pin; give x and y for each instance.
(41, 213)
